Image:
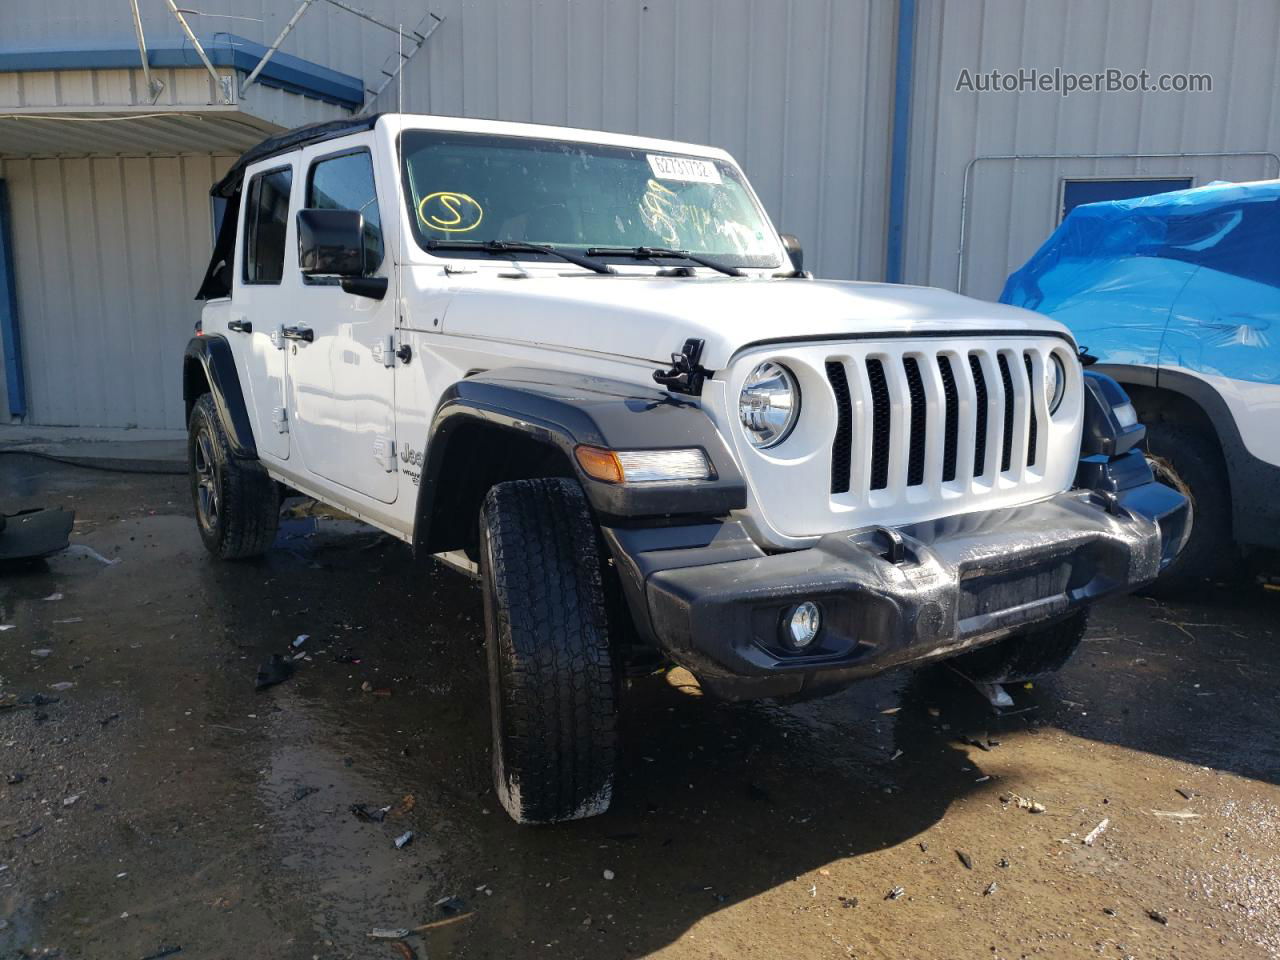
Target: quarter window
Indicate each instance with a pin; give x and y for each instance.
(345, 182)
(266, 220)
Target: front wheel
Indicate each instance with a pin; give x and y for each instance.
(551, 681)
(237, 504)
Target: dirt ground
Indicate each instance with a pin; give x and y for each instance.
(160, 802)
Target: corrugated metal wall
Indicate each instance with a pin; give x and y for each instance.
(799, 91)
(108, 254)
(1013, 205)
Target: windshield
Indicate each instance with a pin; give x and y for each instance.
(577, 195)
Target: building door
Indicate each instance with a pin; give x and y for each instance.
(342, 377)
(259, 306)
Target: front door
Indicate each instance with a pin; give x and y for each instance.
(341, 359)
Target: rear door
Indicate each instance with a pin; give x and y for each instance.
(259, 302)
(342, 375)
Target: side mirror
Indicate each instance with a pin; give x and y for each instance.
(331, 243)
(791, 244)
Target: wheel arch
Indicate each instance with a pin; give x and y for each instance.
(518, 424)
(209, 366)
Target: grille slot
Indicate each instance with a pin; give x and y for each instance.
(842, 445)
(980, 431)
(951, 425)
(879, 424)
(1006, 445)
(919, 421)
(1033, 426)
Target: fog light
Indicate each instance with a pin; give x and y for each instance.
(802, 624)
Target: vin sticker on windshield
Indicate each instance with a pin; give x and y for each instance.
(688, 169)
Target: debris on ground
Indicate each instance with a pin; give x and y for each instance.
(848, 902)
(70, 801)
(1023, 803)
(6, 626)
(301, 793)
(52, 596)
(1003, 863)
(1108, 911)
(991, 888)
(388, 933)
(976, 742)
(402, 806)
(404, 839)
(450, 905)
(995, 694)
(42, 652)
(276, 670)
(162, 953)
(1175, 814)
(404, 949)
(1186, 794)
(1158, 917)
(369, 814)
(301, 639)
(61, 685)
(15, 778)
(896, 893)
(1096, 832)
(609, 874)
(368, 687)
(965, 859)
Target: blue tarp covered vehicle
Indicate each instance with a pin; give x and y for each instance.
(1178, 295)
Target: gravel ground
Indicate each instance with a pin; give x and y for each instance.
(160, 802)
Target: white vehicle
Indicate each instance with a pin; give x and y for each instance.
(587, 366)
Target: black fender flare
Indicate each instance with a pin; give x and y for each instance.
(1255, 508)
(563, 410)
(214, 358)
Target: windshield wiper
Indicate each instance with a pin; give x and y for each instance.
(663, 253)
(519, 246)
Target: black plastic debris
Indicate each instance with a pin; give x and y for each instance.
(450, 905)
(1186, 794)
(1108, 911)
(162, 953)
(369, 813)
(1158, 917)
(896, 893)
(965, 859)
(276, 670)
(991, 888)
(848, 902)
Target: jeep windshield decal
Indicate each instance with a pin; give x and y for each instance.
(578, 197)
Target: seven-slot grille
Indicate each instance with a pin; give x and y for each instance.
(921, 419)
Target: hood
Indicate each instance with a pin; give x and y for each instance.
(649, 318)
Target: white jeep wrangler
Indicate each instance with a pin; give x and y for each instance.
(587, 366)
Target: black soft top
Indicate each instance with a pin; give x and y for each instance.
(217, 278)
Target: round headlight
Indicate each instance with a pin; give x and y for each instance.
(1055, 382)
(769, 404)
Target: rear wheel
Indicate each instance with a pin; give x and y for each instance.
(1026, 655)
(1188, 461)
(551, 680)
(237, 504)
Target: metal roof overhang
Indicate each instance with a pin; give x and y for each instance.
(191, 117)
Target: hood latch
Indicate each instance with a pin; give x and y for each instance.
(686, 373)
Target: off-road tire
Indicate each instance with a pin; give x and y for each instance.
(1026, 655)
(246, 511)
(1184, 458)
(552, 692)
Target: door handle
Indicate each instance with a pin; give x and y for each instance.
(298, 333)
(240, 326)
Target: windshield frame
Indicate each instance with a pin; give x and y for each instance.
(775, 260)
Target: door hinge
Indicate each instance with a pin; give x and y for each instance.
(280, 417)
(384, 451)
(384, 351)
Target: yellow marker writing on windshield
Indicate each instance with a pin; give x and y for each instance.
(450, 212)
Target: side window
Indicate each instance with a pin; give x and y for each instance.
(266, 219)
(345, 182)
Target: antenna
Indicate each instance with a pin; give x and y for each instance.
(399, 164)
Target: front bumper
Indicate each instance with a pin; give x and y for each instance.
(714, 602)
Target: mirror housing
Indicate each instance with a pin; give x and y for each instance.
(331, 243)
(791, 244)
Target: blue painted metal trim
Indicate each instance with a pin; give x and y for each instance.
(10, 332)
(902, 74)
(283, 71)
